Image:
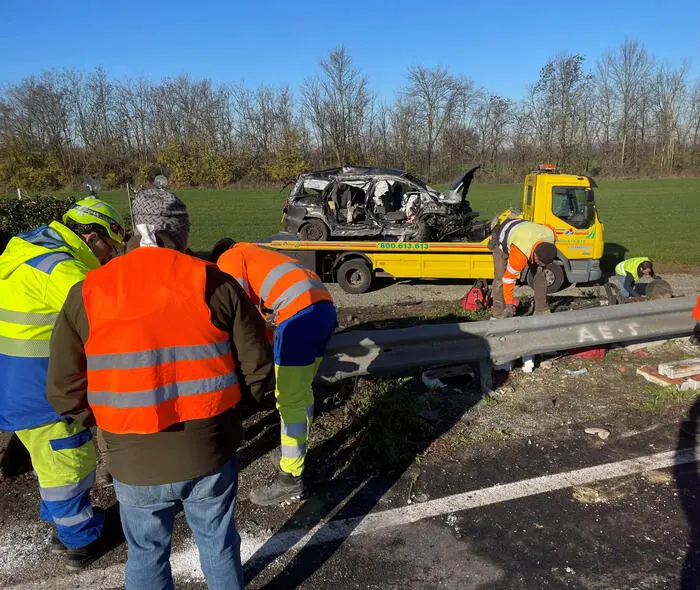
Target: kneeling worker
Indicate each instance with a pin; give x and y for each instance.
(520, 243)
(629, 271)
(295, 301)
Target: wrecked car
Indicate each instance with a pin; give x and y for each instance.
(363, 202)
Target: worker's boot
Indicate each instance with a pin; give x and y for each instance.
(77, 559)
(285, 488)
(55, 545)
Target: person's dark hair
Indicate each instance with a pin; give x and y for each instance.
(83, 229)
(220, 247)
(546, 252)
(647, 264)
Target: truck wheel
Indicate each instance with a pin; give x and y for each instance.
(554, 274)
(314, 230)
(355, 276)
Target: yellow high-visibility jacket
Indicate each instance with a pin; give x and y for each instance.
(37, 269)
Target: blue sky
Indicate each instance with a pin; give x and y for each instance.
(500, 45)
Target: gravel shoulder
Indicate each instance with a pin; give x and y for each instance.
(405, 292)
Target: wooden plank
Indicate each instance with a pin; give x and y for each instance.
(680, 369)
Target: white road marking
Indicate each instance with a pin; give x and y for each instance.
(185, 563)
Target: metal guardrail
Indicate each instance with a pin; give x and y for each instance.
(379, 352)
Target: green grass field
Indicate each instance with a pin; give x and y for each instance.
(655, 218)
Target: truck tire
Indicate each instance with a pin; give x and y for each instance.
(314, 230)
(355, 276)
(555, 277)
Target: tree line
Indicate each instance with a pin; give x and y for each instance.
(627, 114)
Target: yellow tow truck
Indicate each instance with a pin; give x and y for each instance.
(564, 202)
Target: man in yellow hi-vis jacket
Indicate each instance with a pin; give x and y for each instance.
(37, 269)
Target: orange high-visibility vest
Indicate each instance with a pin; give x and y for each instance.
(696, 310)
(272, 280)
(154, 358)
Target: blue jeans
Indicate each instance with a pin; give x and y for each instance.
(623, 288)
(148, 513)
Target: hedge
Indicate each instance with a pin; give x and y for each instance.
(29, 213)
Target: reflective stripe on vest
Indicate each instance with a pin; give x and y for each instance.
(274, 281)
(504, 234)
(158, 395)
(290, 293)
(141, 380)
(27, 318)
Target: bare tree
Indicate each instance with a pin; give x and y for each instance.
(669, 94)
(630, 70)
(336, 101)
(435, 94)
(556, 99)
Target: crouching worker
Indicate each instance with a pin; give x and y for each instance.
(155, 348)
(516, 244)
(629, 271)
(37, 271)
(295, 301)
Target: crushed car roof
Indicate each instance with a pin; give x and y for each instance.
(361, 171)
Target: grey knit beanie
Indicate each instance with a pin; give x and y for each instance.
(164, 212)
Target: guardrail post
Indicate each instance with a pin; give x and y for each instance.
(486, 377)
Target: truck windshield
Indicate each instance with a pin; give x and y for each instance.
(574, 205)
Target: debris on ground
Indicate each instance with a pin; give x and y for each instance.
(601, 432)
(590, 352)
(576, 371)
(654, 375)
(680, 369)
(451, 376)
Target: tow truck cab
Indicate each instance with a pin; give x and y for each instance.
(566, 203)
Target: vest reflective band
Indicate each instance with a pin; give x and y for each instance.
(630, 266)
(525, 235)
(154, 358)
(277, 282)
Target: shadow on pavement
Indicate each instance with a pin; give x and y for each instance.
(688, 485)
(354, 468)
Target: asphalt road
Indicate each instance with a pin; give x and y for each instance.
(559, 511)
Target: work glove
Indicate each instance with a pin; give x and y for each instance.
(509, 311)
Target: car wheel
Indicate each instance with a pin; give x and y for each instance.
(355, 276)
(554, 275)
(314, 230)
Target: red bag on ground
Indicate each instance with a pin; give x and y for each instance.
(589, 352)
(478, 297)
